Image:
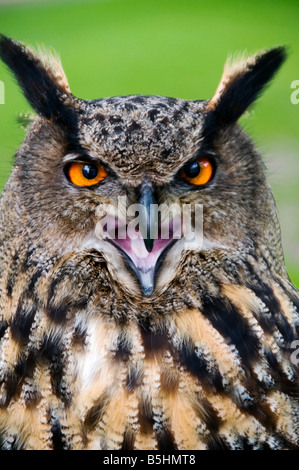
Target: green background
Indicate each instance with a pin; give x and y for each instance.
(174, 48)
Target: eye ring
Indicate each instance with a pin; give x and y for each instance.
(84, 174)
(199, 172)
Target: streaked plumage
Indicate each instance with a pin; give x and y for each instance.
(90, 357)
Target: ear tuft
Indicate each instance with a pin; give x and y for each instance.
(41, 77)
(242, 82)
(51, 62)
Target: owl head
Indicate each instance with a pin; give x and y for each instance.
(135, 177)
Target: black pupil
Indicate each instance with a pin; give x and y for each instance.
(192, 170)
(89, 171)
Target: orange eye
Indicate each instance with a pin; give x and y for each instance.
(86, 173)
(198, 172)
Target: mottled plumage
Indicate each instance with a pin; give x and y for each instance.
(94, 356)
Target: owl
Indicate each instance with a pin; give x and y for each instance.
(144, 301)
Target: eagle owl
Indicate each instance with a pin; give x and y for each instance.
(119, 339)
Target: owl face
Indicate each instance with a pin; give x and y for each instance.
(115, 175)
(144, 145)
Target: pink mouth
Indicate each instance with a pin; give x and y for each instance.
(131, 244)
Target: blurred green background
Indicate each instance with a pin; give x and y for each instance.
(174, 48)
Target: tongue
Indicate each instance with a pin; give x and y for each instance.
(143, 263)
(136, 250)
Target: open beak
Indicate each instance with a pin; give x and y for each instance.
(144, 249)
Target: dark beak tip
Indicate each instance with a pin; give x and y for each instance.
(147, 292)
(149, 244)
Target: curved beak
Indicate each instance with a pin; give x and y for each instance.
(148, 201)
